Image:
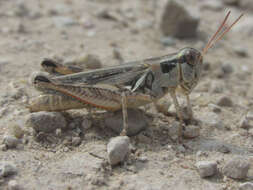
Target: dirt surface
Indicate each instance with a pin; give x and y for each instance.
(32, 30)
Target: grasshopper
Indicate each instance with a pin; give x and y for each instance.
(125, 86)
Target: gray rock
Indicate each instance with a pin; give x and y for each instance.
(180, 149)
(10, 141)
(231, 2)
(246, 186)
(177, 21)
(62, 21)
(223, 149)
(214, 108)
(7, 169)
(236, 168)
(168, 41)
(225, 101)
(76, 141)
(117, 54)
(86, 124)
(241, 51)
(173, 130)
(191, 131)
(21, 9)
(206, 168)
(46, 121)
(3, 147)
(244, 123)
(16, 131)
(227, 68)
(13, 185)
(117, 149)
(137, 122)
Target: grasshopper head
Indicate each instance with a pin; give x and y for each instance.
(190, 61)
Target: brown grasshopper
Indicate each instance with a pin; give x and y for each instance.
(129, 85)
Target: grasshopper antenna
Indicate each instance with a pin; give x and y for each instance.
(216, 37)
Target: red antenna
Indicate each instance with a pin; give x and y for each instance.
(216, 37)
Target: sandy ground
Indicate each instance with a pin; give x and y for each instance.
(31, 30)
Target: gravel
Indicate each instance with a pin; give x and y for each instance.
(117, 149)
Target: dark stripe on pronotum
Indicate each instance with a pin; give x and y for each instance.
(167, 66)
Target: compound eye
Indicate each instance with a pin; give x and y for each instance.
(190, 58)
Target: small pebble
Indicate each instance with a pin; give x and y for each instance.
(173, 130)
(11, 141)
(143, 159)
(246, 186)
(13, 185)
(223, 149)
(241, 51)
(86, 124)
(236, 168)
(225, 101)
(214, 108)
(206, 168)
(3, 147)
(16, 131)
(7, 169)
(117, 149)
(244, 123)
(117, 54)
(168, 41)
(62, 21)
(191, 131)
(76, 141)
(227, 68)
(58, 132)
(181, 149)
